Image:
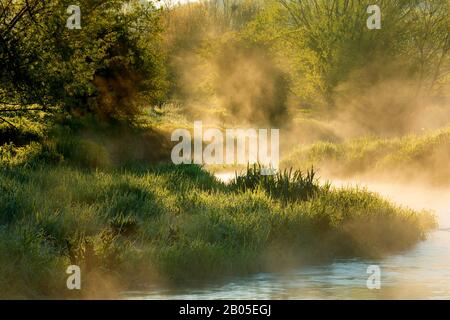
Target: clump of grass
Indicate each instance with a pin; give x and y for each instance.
(287, 185)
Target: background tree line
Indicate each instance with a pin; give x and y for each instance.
(251, 58)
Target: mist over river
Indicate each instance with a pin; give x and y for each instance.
(422, 272)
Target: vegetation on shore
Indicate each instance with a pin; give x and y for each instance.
(422, 157)
(139, 225)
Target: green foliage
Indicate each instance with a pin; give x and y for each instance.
(104, 68)
(288, 185)
(83, 142)
(257, 59)
(344, 49)
(214, 63)
(143, 225)
(420, 156)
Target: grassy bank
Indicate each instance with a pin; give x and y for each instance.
(165, 224)
(422, 157)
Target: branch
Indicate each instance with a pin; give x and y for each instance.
(22, 109)
(4, 120)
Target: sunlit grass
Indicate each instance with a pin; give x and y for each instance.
(140, 225)
(422, 156)
(287, 185)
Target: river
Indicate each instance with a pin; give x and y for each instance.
(420, 273)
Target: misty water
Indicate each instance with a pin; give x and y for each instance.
(422, 272)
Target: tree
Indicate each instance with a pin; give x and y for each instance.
(108, 67)
(413, 40)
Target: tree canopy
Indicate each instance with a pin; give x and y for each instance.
(105, 67)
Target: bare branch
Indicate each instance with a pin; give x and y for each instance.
(6, 121)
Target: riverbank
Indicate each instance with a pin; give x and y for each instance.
(419, 273)
(422, 158)
(165, 224)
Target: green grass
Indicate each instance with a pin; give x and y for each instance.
(163, 224)
(82, 192)
(424, 157)
(84, 142)
(287, 186)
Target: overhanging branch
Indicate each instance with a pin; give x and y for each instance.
(6, 121)
(23, 109)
